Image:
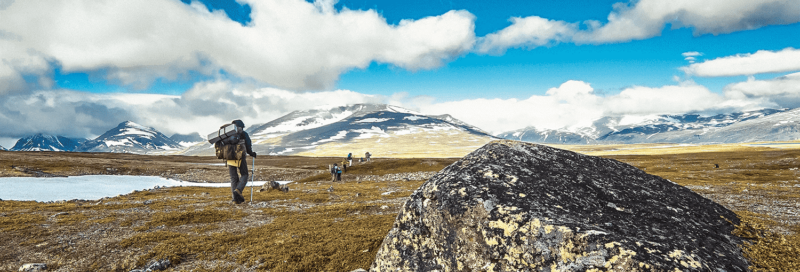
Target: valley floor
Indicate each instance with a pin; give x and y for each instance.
(319, 225)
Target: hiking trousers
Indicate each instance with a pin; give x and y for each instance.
(238, 182)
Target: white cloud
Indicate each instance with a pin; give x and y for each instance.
(204, 107)
(691, 54)
(574, 104)
(533, 31)
(209, 104)
(762, 61)
(289, 43)
(644, 19)
(784, 90)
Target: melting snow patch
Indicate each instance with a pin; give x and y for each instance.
(369, 133)
(340, 135)
(414, 118)
(373, 120)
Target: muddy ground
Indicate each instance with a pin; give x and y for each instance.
(319, 225)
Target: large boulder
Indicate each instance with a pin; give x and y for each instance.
(514, 206)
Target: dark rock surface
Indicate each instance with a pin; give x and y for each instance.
(513, 206)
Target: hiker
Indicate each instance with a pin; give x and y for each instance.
(334, 168)
(238, 183)
(367, 155)
(344, 166)
(339, 173)
(350, 158)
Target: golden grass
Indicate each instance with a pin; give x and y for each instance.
(449, 144)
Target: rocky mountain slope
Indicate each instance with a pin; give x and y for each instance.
(382, 130)
(513, 206)
(687, 128)
(2, 148)
(130, 137)
(42, 142)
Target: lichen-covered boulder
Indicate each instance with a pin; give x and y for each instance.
(513, 206)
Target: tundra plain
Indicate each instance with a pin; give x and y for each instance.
(319, 225)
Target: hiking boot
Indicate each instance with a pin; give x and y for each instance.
(237, 195)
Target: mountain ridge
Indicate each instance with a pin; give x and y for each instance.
(130, 137)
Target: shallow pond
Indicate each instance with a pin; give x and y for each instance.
(89, 187)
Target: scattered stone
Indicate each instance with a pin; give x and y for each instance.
(330, 190)
(33, 267)
(359, 270)
(387, 193)
(148, 202)
(57, 214)
(384, 207)
(514, 206)
(358, 194)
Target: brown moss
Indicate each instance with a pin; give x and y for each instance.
(205, 216)
(766, 249)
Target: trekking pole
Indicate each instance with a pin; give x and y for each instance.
(252, 179)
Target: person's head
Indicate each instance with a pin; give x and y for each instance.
(334, 164)
(238, 123)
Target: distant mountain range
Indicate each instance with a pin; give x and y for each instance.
(376, 128)
(751, 126)
(130, 137)
(391, 131)
(42, 142)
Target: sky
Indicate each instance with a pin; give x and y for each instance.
(79, 68)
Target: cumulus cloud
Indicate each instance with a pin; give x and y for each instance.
(531, 32)
(208, 104)
(644, 19)
(204, 107)
(575, 104)
(762, 61)
(292, 44)
(784, 90)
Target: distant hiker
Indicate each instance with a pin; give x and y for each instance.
(350, 158)
(367, 155)
(238, 183)
(344, 166)
(334, 168)
(339, 173)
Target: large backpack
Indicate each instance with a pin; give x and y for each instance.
(231, 147)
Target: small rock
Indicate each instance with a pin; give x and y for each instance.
(33, 267)
(388, 193)
(384, 207)
(158, 265)
(330, 190)
(359, 270)
(358, 194)
(148, 202)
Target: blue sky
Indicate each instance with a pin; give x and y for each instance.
(500, 65)
(520, 72)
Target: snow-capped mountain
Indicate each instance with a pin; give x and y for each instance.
(376, 128)
(42, 142)
(187, 139)
(687, 128)
(129, 137)
(2, 148)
